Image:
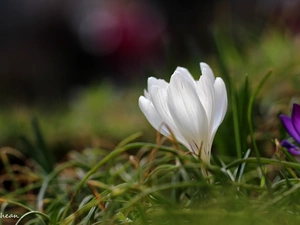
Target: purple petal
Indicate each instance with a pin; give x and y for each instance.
(292, 149)
(296, 118)
(289, 126)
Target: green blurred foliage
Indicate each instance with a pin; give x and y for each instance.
(141, 183)
(103, 114)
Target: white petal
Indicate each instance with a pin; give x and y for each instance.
(185, 73)
(206, 93)
(159, 97)
(159, 82)
(187, 111)
(221, 103)
(146, 94)
(152, 116)
(193, 110)
(152, 81)
(207, 71)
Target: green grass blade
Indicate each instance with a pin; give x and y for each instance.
(47, 156)
(35, 213)
(249, 117)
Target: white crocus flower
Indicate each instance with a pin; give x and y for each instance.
(191, 109)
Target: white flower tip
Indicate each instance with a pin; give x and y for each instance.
(151, 79)
(142, 99)
(144, 103)
(158, 82)
(204, 65)
(207, 71)
(182, 71)
(220, 84)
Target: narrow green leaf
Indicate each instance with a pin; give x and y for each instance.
(249, 117)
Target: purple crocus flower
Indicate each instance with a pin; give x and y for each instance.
(292, 126)
(293, 149)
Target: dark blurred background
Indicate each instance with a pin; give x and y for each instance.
(71, 73)
(80, 66)
(49, 48)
